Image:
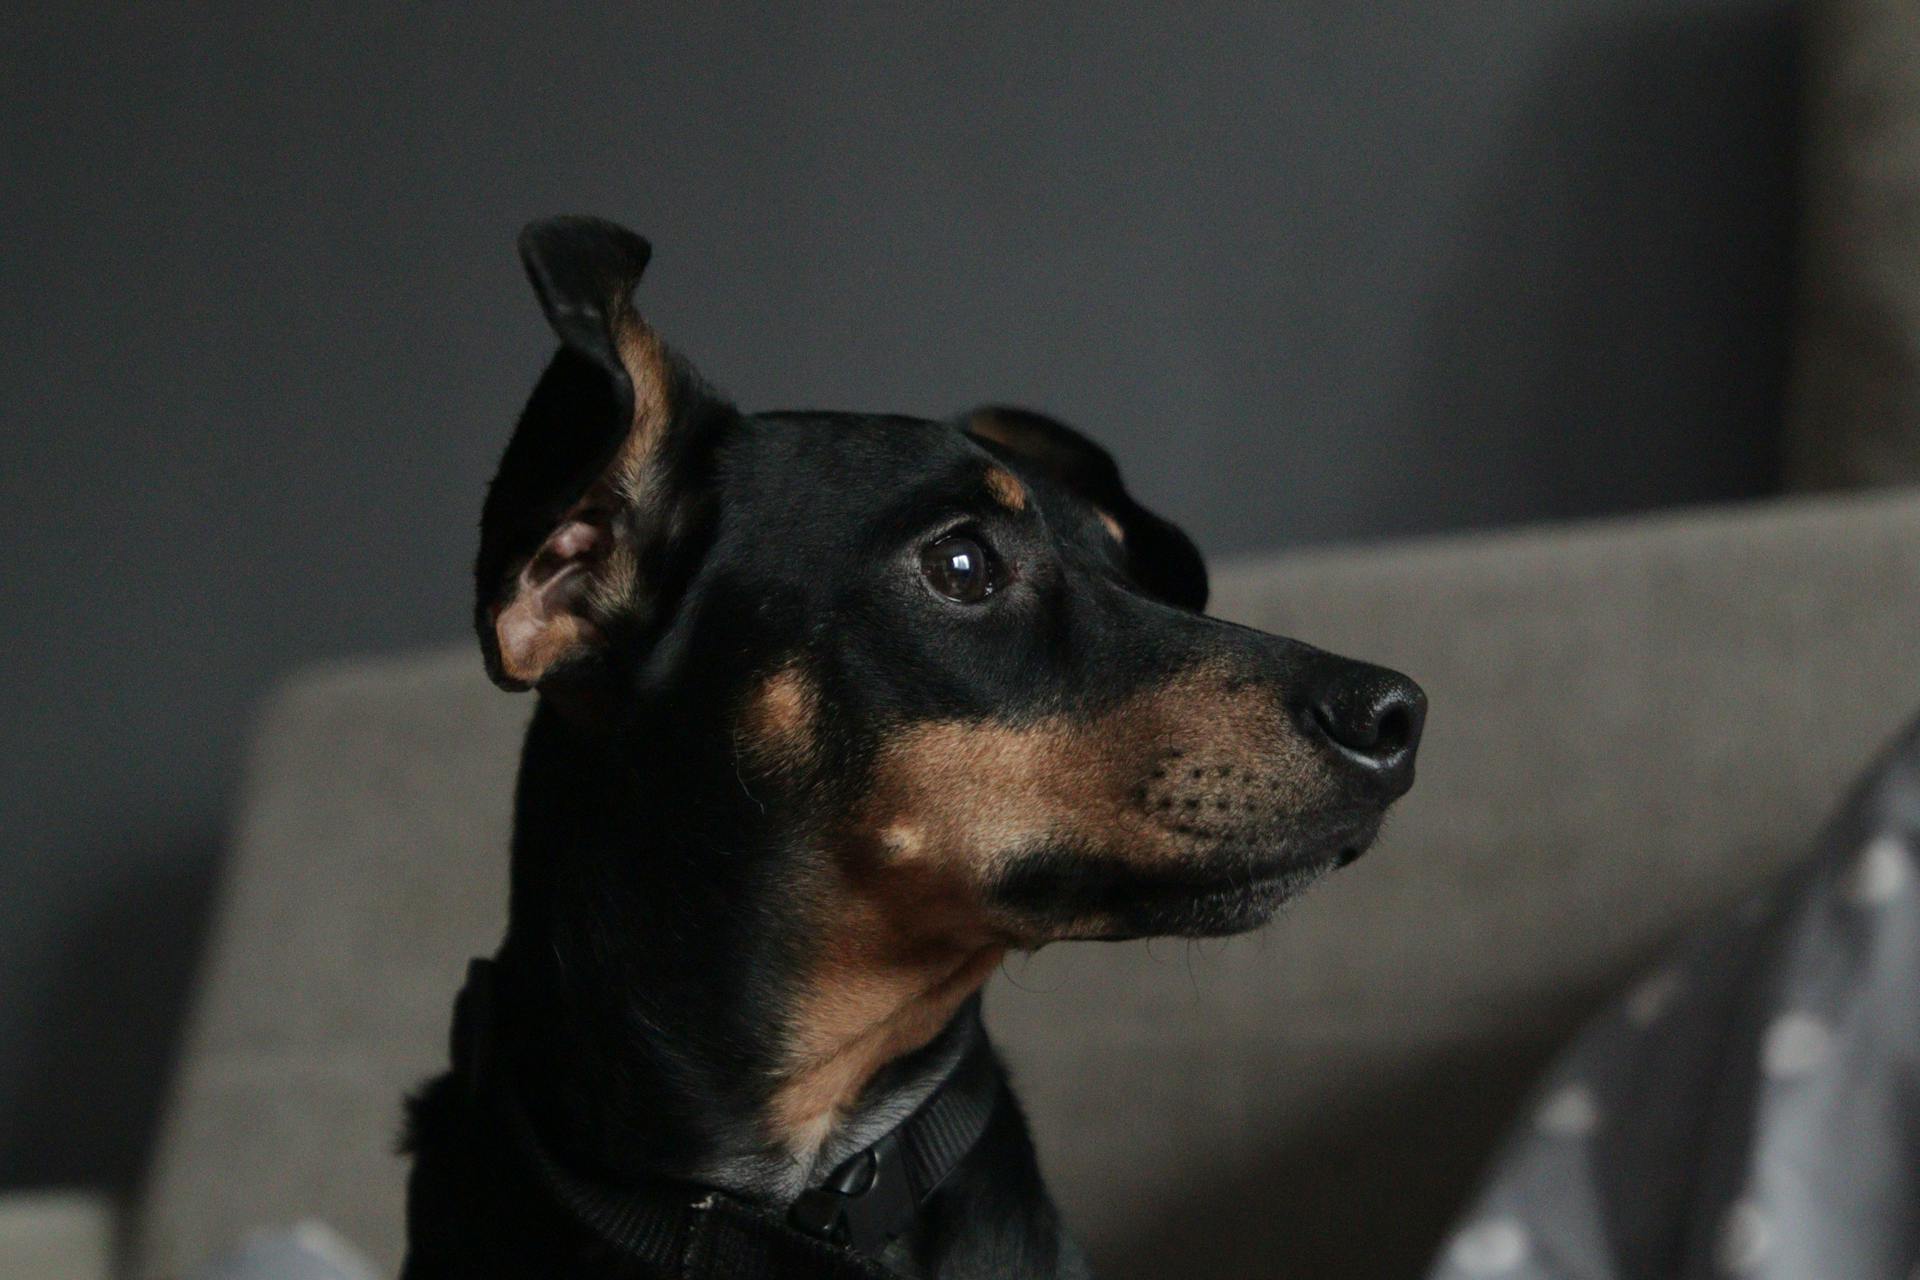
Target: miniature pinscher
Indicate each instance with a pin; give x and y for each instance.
(834, 710)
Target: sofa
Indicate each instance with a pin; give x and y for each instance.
(1633, 723)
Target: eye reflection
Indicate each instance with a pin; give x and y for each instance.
(959, 568)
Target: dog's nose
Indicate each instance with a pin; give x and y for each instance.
(1373, 718)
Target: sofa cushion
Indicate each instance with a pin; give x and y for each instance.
(1631, 724)
(56, 1235)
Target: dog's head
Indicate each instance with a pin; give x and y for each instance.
(950, 672)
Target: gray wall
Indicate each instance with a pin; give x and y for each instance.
(1316, 270)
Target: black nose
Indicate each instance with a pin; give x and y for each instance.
(1373, 718)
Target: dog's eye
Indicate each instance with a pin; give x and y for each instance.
(960, 568)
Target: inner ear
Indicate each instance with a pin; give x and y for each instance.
(548, 614)
(575, 532)
(1160, 556)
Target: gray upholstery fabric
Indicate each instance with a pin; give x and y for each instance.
(1783, 1045)
(56, 1235)
(1632, 724)
(1854, 416)
(310, 1251)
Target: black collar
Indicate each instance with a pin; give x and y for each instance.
(683, 1230)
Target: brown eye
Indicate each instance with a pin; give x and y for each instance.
(960, 569)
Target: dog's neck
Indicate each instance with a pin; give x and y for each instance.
(666, 1012)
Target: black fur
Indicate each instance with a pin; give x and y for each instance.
(671, 890)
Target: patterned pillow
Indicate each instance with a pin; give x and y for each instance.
(1751, 1107)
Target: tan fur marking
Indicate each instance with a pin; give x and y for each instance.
(777, 723)
(651, 372)
(902, 946)
(965, 793)
(870, 1007)
(616, 582)
(534, 634)
(530, 643)
(907, 936)
(1112, 526)
(1006, 489)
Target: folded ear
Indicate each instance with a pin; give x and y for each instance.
(579, 526)
(1161, 558)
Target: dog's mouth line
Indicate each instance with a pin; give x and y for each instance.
(1337, 845)
(1261, 876)
(1228, 878)
(1227, 904)
(1298, 867)
(1261, 879)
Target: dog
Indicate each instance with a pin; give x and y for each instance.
(834, 710)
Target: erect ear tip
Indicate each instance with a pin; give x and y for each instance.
(583, 270)
(583, 240)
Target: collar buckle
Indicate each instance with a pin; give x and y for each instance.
(863, 1204)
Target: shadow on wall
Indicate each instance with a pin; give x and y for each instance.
(105, 1034)
(1645, 395)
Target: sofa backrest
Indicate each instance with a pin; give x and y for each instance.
(1632, 723)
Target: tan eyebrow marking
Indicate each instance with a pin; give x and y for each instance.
(1112, 525)
(1006, 489)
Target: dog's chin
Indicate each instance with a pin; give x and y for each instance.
(1235, 905)
(1229, 889)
